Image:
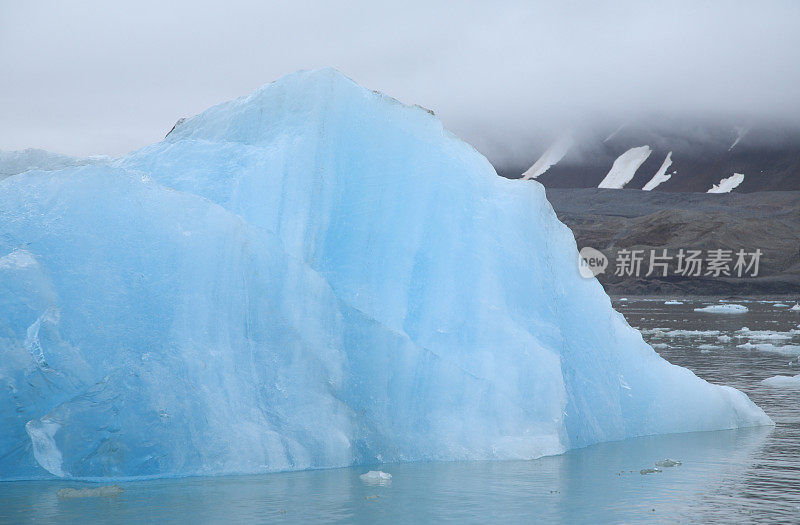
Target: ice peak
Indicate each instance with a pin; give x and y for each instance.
(298, 100)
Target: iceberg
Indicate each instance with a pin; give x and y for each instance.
(311, 276)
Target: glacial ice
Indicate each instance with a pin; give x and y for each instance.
(311, 276)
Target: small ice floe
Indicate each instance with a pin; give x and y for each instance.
(765, 335)
(673, 302)
(96, 492)
(645, 471)
(782, 381)
(704, 349)
(622, 299)
(780, 305)
(376, 476)
(790, 350)
(723, 309)
(668, 463)
(724, 338)
(795, 308)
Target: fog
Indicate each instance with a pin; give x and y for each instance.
(101, 78)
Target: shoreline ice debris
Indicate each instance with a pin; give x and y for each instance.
(723, 309)
(311, 276)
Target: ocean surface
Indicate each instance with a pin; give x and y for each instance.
(724, 477)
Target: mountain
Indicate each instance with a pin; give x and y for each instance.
(671, 156)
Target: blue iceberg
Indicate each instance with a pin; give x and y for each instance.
(312, 276)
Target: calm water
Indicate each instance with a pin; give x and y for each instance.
(749, 475)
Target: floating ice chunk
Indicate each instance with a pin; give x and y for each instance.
(723, 309)
(790, 350)
(672, 302)
(724, 338)
(795, 308)
(781, 305)
(668, 463)
(782, 381)
(645, 471)
(692, 333)
(764, 335)
(376, 476)
(709, 347)
(96, 492)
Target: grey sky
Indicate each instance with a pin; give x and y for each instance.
(100, 77)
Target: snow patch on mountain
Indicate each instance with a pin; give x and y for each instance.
(661, 175)
(740, 133)
(550, 157)
(625, 167)
(727, 184)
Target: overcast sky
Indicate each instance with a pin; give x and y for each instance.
(98, 77)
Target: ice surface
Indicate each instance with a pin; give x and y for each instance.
(661, 175)
(727, 184)
(723, 309)
(310, 276)
(672, 302)
(625, 167)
